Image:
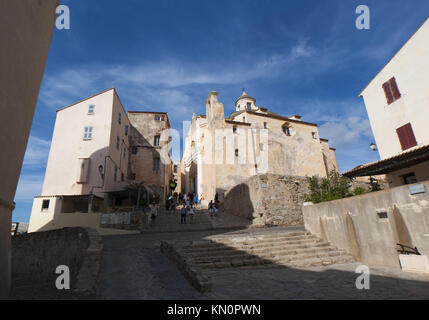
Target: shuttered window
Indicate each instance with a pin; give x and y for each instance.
(406, 136)
(391, 90)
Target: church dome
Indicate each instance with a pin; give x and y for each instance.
(245, 102)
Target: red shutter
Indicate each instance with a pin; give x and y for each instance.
(387, 92)
(406, 136)
(394, 88)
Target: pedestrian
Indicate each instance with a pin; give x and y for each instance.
(191, 215)
(211, 208)
(195, 200)
(215, 208)
(153, 212)
(183, 215)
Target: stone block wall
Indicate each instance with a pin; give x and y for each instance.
(35, 256)
(268, 200)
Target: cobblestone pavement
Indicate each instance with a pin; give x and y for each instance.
(134, 268)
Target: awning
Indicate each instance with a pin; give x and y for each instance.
(404, 160)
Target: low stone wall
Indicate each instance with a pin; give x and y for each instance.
(35, 257)
(268, 200)
(193, 274)
(369, 226)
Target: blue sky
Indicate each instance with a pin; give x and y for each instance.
(293, 56)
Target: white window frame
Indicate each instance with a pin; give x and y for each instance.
(87, 133)
(91, 109)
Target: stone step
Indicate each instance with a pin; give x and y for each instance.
(263, 236)
(213, 246)
(272, 250)
(313, 262)
(307, 260)
(280, 255)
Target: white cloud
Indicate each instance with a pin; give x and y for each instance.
(346, 133)
(37, 152)
(29, 185)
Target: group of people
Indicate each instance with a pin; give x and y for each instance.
(187, 211)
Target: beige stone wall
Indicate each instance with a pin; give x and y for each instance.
(144, 129)
(26, 30)
(268, 200)
(354, 223)
(410, 67)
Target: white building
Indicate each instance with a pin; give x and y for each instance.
(88, 159)
(397, 102)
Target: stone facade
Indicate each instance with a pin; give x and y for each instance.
(268, 200)
(150, 160)
(221, 152)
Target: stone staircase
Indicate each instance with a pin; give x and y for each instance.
(169, 221)
(271, 249)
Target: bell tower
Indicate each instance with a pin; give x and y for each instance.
(245, 103)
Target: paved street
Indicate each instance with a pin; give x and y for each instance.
(134, 268)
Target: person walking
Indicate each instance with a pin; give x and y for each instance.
(215, 208)
(211, 208)
(183, 215)
(191, 215)
(195, 200)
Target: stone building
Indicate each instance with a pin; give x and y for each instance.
(96, 152)
(396, 100)
(177, 176)
(222, 152)
(150, 160)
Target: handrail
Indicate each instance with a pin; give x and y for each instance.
(408, 250)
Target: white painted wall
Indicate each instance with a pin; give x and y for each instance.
(410, 67)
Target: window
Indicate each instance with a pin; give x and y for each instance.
(249, 106)
(119, 118)
(382, 215)
(261, 146)
(115, 176)
(122, 177)
(287, 130)
(125, 152)
(118, 142)
(391, 90)
(265, 125)
(134, 150)
(126, 130)
(133, 176)
(236, 152)
(45, 205)
(314, 135)
(91, 109)
(87, 134)
(156, 141)
(156, 163)
(244, 119)
(159, 117)
(406, 136)
(234, 129)
(409, 178)
(175, 168)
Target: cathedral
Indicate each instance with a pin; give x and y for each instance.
(221, 152)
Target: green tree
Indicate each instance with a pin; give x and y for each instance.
(326, 189)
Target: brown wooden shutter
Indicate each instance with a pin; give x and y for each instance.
(406, 136)
(394, 88)
(387, 92)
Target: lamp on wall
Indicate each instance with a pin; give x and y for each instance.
(373, 146)
(101, 169)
